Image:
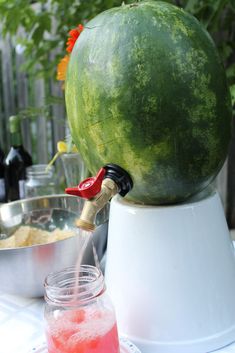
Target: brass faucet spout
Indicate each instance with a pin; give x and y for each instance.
(98, 190)
(91, 207)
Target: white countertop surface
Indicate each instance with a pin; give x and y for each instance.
(21, 323)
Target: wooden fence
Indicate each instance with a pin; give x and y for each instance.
(18, 91)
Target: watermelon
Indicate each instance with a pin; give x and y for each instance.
(146, 89)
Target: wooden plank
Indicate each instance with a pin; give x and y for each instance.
(22, 84)
(41, 125)
(8, 81)
(58, 115)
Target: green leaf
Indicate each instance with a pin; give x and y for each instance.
(226, 50)
(55, 100)
(28, 65)
(232, 3)
(37, 35)
(12, 23)
(45, 21)
(232, 91)
(191, 6)
(230, 72)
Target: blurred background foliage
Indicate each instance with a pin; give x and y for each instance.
(42, 27)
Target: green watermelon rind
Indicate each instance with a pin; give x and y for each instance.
(146, 89)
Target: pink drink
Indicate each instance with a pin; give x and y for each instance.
(87, 330)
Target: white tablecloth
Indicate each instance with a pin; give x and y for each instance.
(21, 323)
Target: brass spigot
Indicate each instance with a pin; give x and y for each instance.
(94, 205)
(98, 190)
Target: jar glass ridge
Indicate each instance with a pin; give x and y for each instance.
(69, 288)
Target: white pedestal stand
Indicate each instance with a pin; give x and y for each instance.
(170, 272)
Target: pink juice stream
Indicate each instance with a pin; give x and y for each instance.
(85, 237)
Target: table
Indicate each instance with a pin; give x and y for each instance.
(21, 323)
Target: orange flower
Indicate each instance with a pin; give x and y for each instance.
(74, 34)
(62, 67)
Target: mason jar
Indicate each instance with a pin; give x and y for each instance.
(40, 181)
(74, 168)
(79, 316)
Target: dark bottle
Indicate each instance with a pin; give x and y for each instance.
(16, 162)
(2, 181)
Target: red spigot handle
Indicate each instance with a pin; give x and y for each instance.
(89, 187)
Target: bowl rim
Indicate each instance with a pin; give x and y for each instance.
(5, 205)
(38, 198)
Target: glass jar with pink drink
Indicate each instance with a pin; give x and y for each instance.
(79, 315)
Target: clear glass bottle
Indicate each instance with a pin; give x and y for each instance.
(74, 168)
(40, 181)
(79, 315)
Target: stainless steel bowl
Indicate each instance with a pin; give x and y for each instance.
(23, 270)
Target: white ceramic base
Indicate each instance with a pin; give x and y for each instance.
(228, 349)
(170, 272)
(125, 347)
